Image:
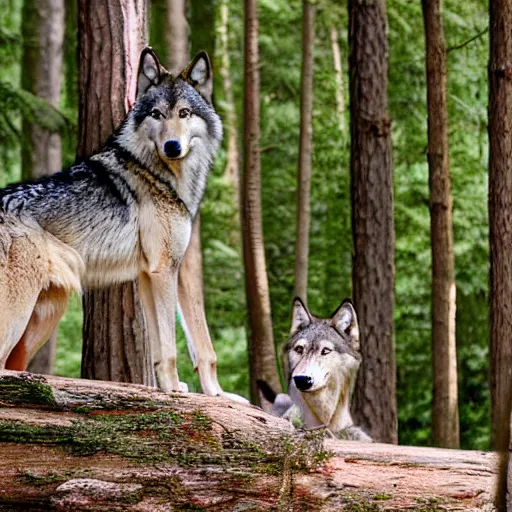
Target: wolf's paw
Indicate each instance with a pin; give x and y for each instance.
(235, 397)
(167, 387)
(354, 433)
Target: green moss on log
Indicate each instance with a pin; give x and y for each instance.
(147, 437)
(168, 436)
(40, 479)
(26, 389)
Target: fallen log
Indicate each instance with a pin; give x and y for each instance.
(69, 444)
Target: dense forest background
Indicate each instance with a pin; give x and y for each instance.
(331, 252)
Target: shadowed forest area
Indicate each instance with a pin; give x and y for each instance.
(218, 27)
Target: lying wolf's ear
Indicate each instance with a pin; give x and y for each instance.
(150, 71)
(199, 75)
(344, 320)
(300, 316)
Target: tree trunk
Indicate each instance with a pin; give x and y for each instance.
(305, 152)
(338, 73)
(262, 354)
(158, 27)
(176, 33)
(232, 171)
(69, 444)
(445, 412)
(111, 36)
(43, 36)
(372, 218)
(500, 222)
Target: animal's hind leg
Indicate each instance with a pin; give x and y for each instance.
(49, 308)
(11, 329)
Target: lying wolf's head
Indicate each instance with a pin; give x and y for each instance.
(173, 120)
(322, 349)
(322, 359)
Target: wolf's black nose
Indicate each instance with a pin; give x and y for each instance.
(303, 382)
(172, 148)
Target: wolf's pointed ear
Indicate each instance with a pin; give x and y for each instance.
(150, 71)
(200, 76)
(344, 320)
(300, 316)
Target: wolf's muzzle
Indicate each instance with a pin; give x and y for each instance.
(303, 382)
(172, 148)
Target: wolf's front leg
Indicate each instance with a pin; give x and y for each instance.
(159, 299)
(193, 319)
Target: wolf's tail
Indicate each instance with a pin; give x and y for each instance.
(268, 393)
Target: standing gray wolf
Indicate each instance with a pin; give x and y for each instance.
(322, 357)
(124, 213)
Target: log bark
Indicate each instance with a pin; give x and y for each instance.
(69, 444)
(372, 218)
(445, 411)
(305, 152)
(111, 36)
(500, 225)
(43, 37)
(262, 354)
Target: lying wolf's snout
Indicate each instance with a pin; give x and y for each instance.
(172, 148)
(303, 382)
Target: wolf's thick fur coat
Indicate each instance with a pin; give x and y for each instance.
(322, 358)
(124, 213)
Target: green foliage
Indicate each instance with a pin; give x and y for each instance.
(467, 94)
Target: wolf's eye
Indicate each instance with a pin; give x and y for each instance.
(299, 349)
(156, 114)
(184, 112)
(326, 351)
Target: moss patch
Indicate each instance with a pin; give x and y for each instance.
(52, 477)
(26, 389)
(148, 437)
(167, 436)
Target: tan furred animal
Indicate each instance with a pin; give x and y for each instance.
(322, 356)
(124, 213)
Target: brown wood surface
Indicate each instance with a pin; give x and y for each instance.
(111, 36)
(305, 152)
(372, 218)
(445, 412)
(69, 444)
(500, 222)
(262, 354)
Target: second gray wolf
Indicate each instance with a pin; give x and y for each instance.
(122, 214)
(322, 358)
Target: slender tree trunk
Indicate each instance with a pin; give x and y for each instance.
(372, 218)
(232, 171)
(262, 355)
(43, 36)
(111, 36)
(305, 152)
(445, 412)
(158, 28)
(338, 73)
(176, 35)
(500, 224)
